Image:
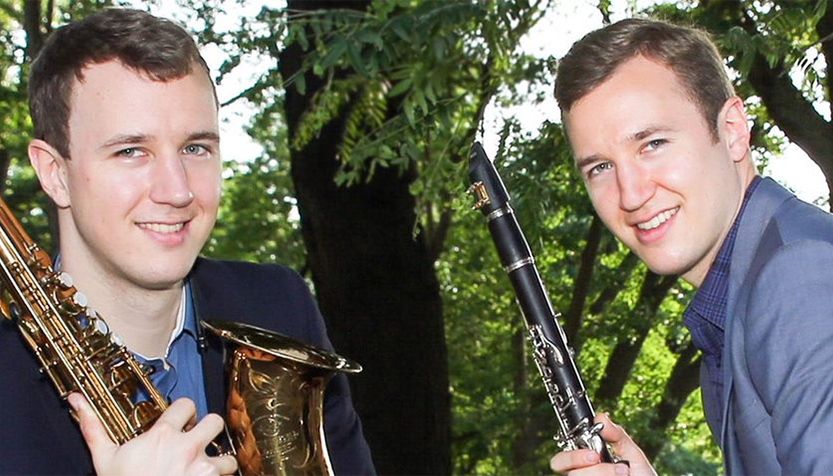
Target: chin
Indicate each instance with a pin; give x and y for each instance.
(161, 279)
(665, 266)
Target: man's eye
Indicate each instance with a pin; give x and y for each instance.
(600, 168)
(128, 152)
(195, 149)
(655, 144)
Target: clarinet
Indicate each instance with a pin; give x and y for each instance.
(552, 356)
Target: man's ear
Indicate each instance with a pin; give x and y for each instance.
(50, 166)
(735, 125)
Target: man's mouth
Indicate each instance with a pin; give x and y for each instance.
(162, 227)
(658, 220)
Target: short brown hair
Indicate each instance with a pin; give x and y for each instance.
(688, 52)
(154, 46)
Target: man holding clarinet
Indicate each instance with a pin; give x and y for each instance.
(663, 146)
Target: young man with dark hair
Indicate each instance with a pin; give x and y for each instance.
(127, 145)
(663, 146)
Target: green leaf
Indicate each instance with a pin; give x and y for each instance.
(336, 50)
(400, 26)
(356, 59)
(409, 113)
(301, 84)
(439, 48)
(372, 37)
(401, 87)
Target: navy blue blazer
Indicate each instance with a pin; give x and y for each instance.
(38, 435)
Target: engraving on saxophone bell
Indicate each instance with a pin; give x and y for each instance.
(265, 415)
(275, 400)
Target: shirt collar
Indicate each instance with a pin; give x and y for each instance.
(186, 324)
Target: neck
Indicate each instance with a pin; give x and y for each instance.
(698, 274)
(143, 318)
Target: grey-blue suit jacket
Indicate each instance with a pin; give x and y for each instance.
(777, 404)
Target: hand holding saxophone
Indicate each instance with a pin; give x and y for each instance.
(588, 462)
(173, 446)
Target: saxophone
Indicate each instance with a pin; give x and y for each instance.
(276, 385)
(274, 407)
(551, 353)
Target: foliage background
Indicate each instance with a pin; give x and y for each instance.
(409, 81)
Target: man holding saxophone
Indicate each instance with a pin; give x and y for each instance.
(663, 146)
(127, 146)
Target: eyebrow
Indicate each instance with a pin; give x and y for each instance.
(585, 161)
(125, 139)
(648, 131)
(204, 135)
(139, 138)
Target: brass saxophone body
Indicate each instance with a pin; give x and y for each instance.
(75, 347)
(274, 408)
(274, 417)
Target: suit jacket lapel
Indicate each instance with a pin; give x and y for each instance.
(212, 351)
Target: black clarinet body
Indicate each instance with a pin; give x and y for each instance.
(551, 352)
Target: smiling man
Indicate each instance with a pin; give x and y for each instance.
(127, 145)
(662, 144)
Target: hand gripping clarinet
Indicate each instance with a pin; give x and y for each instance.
(552, 356)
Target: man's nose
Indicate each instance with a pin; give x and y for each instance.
(636, 186)
(170, 182)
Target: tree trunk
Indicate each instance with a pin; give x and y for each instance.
(627, 349)
(609, 293)
(684, 379)
(376, 286)
(32, 26)
(573, 316)
(4, 168)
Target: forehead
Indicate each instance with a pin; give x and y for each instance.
(114, 76)
(640, 95)
(111, 97)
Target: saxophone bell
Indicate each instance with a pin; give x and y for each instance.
(274, 410)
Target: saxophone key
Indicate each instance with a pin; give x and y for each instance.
(74, 303)
(120, 381)
(11, 311)
(98, 349)
(60, 378)
(61, 278)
